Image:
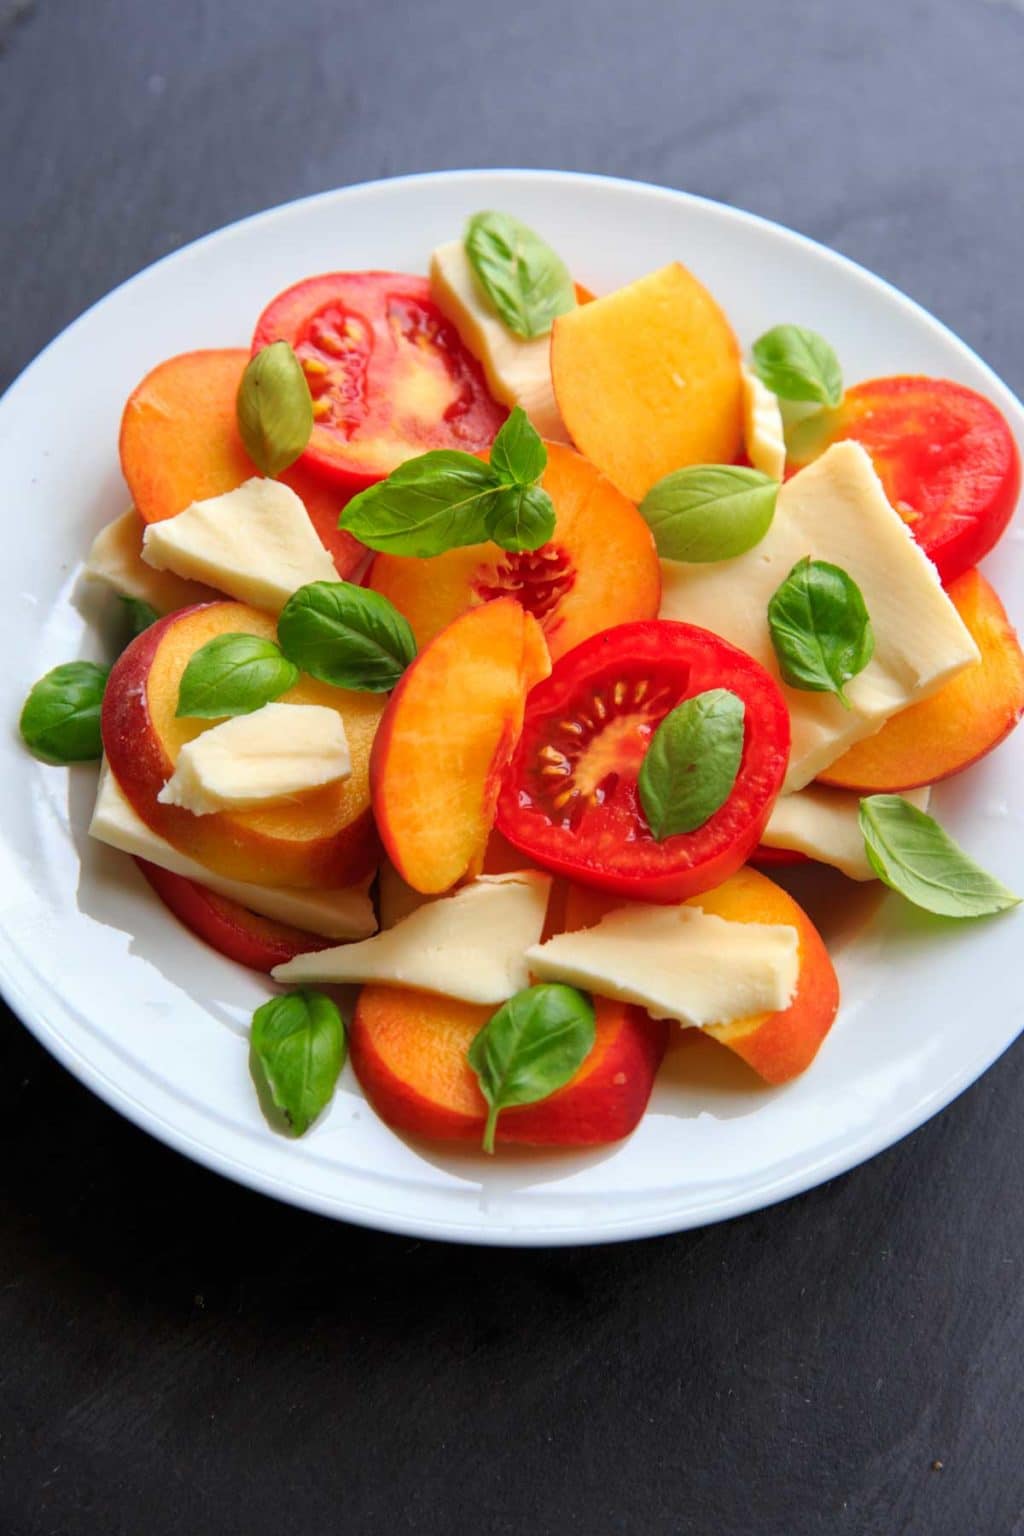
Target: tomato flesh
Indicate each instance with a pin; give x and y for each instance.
(569, 799)
(388, 373)
(946, 457)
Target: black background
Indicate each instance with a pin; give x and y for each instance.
(178, 1355)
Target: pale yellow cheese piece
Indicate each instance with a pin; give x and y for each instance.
(470, 945)
(346, 913)
(677, 962)
(763, 434)
(824, 823)
(834, 510)
(116, 559)
(255, 543)
(518, 372)
(274, 753)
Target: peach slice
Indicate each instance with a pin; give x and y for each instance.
(647, 379)
(599, 568)
(445, 738)
(957, 725)
(180, 443)
(324, 840)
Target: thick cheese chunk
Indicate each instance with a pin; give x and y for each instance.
(116, 559)
(518, 372)
(276, 753)
(763, 435)
(471, 945)
(677, 962)
(346, 913)
(824, 823)
(256, 543)
(834, 510)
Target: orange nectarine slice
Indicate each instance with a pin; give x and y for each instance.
(647, 379)
(323, 840)
(446, 735)
(599, 568)
(964, 720)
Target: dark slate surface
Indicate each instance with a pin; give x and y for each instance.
(177, 1355)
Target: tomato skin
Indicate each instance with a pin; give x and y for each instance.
(945, 455)
(389, 376)
(602, 838)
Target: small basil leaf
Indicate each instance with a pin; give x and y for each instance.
(690, 767)
(709, 511)
(296, 1051)
(346, 635)
(518, 455)
(523, 517)
(139, 615)
(525, 282)
(798, 364)
(534, 1044)
(914, 855)
(820, 628)
(60, 722)
(440, 500)
(274, 408)
(233, 675)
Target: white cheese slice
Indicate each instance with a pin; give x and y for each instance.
(677, 962)
(470, 945)
(834, 510)
(824, 823)
(116, 559)
(256, 543)
(346, 913)
(763, 434)
(518, 372)
(275, 753)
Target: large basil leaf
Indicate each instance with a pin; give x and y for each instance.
(296, 1051)
(233, 675)
(820, 628)
(798, 364)
(440, 500)
(534, 1044)
(691, 764)
(709, 511)
(274, 408)
(526, 283)
(346, 635)
(60, 721)
(915, 856)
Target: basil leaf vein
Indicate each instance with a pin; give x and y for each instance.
(709, 511)
(346, 635)
(820, 628)
(530, 1047)
(60, 720)
(274, 408)
(798, 364)
(296, 1051)
(915, 856)
(233, 675)
(526, 283)
(690, 767)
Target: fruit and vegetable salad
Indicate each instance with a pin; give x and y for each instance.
(486, 640)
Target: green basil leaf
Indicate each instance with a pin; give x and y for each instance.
(534, 1044)
(820, 628)
(139, 615)
(233, 675)
(798, 364)
(914, 855)
(60, 722)
(525, 282)
(296, 1051)
(690, 767)
(274, 408)
(709, 511)
(438, 501)
(346, 635)
(518, 455)
(523, 517)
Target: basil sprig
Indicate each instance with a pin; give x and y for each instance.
(909, 850)
(691, 765)
(533, 1045)
(525, 282)
(820, 628)
(60, 721)
(274, 408)
(233, 675)
(798, 364)
(709, 511)
(346, 635)
(296, 1051)
(446, 499)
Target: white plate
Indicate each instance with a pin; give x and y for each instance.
(155, 1023)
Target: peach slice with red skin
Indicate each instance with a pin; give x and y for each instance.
(599, 568)
(447, 733)
(323, 840)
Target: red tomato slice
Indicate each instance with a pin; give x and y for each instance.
(947, 459)
(569, 799)
(388, 374)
